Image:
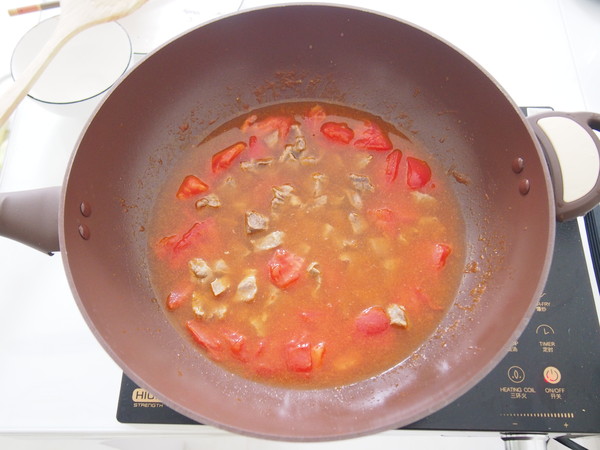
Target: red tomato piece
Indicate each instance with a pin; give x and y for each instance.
(298, 356)
(373, 138)
(440, 254)
(392, 162)
(425, 299)
(285, 268)
(197, 231)
(381, 214)
(168, 241)
(175, 300)
(190, 186)
(208, 340)
(237, 344)
(372, 321)
(222, 160)
(280, 123)
(418, 174)
(383, 218)
(257, 148)
(338, 132)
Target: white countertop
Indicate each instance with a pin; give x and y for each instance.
(58, 388)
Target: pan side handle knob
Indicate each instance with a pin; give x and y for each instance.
(572, 151)
(31, 217)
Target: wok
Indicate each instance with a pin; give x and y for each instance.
(392, 69)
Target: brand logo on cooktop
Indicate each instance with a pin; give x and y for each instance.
(141, 395)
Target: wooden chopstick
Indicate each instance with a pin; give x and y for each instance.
(32, 8)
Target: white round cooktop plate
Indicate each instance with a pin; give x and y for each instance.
(86, 66)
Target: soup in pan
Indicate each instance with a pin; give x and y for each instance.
(307, 245)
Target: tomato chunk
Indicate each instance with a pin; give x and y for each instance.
(372, 321)
(373, 138)
(168, 242)
(175, 300)
(285, 268)
(424, 299)
(207, 339)
(338, 132)
(298, 356)
(237, 344)
(383, 218)
(222, 160)
(280, 123)
(196, 232)
(256, 148)
(392, 162)
(418, 174)
(440, 255)
(190, 186)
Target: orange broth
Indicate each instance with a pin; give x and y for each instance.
(307, 245)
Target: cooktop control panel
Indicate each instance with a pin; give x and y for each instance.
(550, 379)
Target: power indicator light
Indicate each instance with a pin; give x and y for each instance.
(552, 375)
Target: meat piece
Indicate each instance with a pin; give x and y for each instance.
(359, 225)
(221, 267)
(247, 288)
(361, 183)
(319, 181)
(293, 151)
(272, 139)
(299, 144)
(270, 241)
(259, 322)
(355, 199)
(318, 202)
(422, 198)
(256, 222)
(198, 305)
(289, 154)
(229, 182)
(349, 244)
(219, 285)
(218, 311)
(283, 194)
(308, 160)
(252, 166)
(200, 268)
(397, 315)
(206, 308)
(210, 200)
(314, 271)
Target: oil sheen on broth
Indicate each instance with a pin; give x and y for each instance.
(306, 245)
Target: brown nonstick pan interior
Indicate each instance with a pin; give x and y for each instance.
(332, 54)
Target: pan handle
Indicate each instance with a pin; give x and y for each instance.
(31, 217)
(572, 152)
